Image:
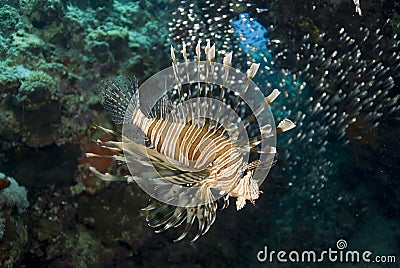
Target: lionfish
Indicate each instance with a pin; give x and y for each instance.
(185, 138)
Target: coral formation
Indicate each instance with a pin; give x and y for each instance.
(54, 55)
(54, 52)
(13, 196)
(13, 203)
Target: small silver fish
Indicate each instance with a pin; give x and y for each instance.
(358, 7)
(193, 146)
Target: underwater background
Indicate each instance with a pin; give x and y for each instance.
(337, 174)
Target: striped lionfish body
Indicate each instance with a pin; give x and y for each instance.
(193, 146)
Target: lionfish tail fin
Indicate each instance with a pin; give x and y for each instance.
(119, 96)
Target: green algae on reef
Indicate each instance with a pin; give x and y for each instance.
(53, 53)
(68, 49)
(13, 229)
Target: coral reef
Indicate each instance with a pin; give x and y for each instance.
(54, 58)
(13, 195)
(83, 229)
(55, 52)
(13, 234)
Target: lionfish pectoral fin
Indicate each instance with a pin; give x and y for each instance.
(166, 216)
(160, 160)
(163, 166)
(185, 178)
(189, 222)
(202, 223)
(119, 97)
(163, 215)
(210, 212)
(106, 130)
(175, 172)
(182, 166)
(174, 221)
(160, 216)
(113, 157)
(107, 176)
(226, 202)
(205, 214)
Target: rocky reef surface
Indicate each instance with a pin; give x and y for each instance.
(334, 179)
(13, 204)
(53, 53)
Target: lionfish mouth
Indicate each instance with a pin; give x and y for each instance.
(194, 133)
